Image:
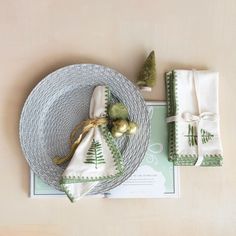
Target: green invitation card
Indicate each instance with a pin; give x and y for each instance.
(156, 177)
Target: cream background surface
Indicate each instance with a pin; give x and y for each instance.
(37, 37)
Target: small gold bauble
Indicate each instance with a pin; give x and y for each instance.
(115, 133)
(132, 128)
(121, 125)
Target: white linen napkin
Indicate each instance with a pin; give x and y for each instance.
(96, 157)
(193, 118)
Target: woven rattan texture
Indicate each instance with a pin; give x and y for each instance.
(60, 101)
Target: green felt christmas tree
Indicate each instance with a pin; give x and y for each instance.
(147, 76)
(94, 154)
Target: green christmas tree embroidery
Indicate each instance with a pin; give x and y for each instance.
(94, 154)
(192, 135)
(206, 136)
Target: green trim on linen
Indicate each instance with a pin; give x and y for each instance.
(190, 160)
(116, 154)
(117, 159)
(113, 148)
(107, 98)
(65, 189)
(77, 179)
(172, 110)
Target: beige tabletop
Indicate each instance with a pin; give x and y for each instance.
(37, 37)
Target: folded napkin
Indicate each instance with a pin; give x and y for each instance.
(193, 118)
(97, 157)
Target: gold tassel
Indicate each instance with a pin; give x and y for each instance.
(87, 125)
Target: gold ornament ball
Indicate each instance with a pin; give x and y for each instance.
(121, 125)
(132, 128)
(115, 133)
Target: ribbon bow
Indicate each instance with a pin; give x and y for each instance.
(189, 117)
(87, 125)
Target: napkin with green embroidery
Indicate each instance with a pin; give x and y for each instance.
(193, 118)
(96, 157)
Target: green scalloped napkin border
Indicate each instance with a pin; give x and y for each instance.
(172, 110)
(117, 159)
(116, 154)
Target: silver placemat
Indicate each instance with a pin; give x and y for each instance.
(60, 101)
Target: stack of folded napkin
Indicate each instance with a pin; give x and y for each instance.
(193, 118)
(97, 157)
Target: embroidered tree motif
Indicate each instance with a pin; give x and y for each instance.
(192, 135)
(206, 136)
(94, 154)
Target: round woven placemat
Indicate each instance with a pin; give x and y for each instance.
(60, 101)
